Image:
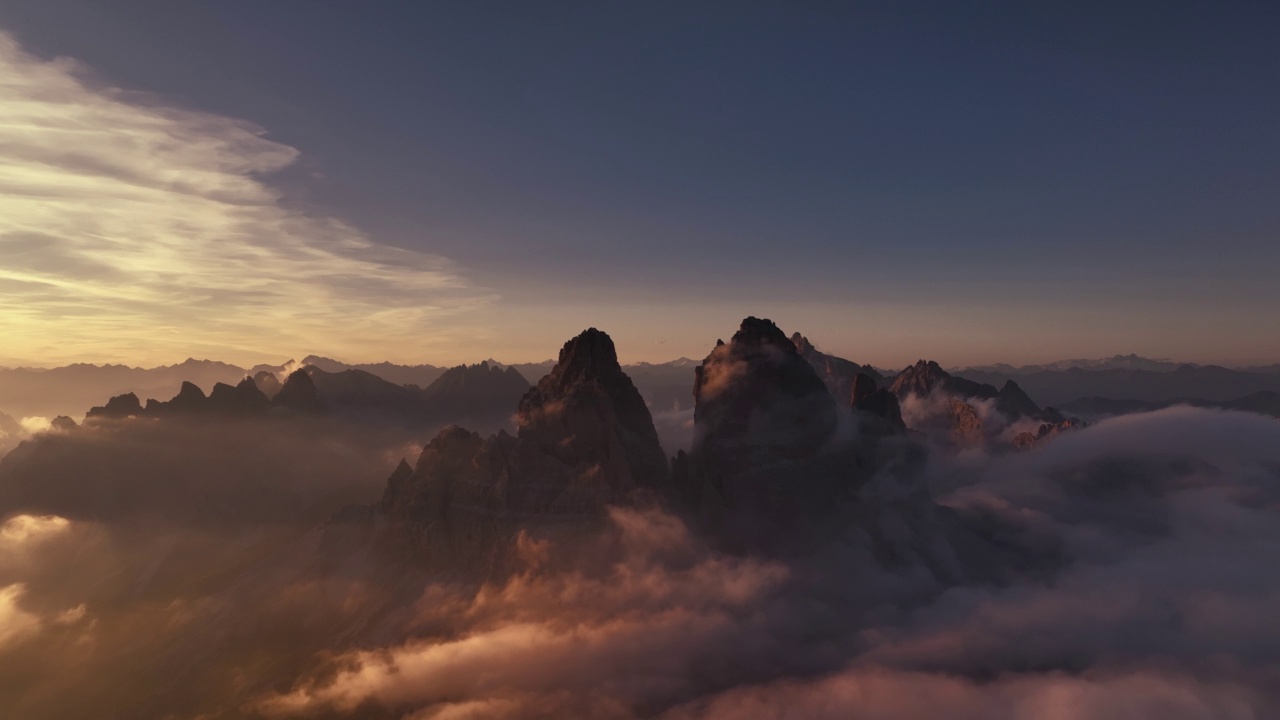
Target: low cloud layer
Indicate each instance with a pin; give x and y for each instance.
(129, 228)
(1158, 601)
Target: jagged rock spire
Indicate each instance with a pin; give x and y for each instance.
(587, 411)
(299, 394)
(762, 417)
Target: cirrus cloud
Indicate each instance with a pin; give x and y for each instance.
(131, 228)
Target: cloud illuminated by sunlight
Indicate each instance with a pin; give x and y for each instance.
(20, 530)
(132, 229)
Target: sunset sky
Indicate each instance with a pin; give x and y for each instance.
(444, 182)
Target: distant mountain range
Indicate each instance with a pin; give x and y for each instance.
(1115, 362)
(1208, 382)
(71, 390)
(668, 386)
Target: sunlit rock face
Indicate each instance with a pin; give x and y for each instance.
(926, 377)
(966, 426)
(1027, 440)
(585, 440)
(956, 412)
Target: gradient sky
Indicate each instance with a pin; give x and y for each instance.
(442, 182)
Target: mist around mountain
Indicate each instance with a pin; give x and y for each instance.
(11, 433)
(1263, 403)
(73, 389)
(296, 550)
(420, 375)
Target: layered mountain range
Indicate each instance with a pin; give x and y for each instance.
(479, 394)
(584, 440)
(30, 392)
(784, 454)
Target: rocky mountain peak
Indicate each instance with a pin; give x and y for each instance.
(761, 414)
(267, 382)
(755, 332)
(119, 406)
(867, 395)
(586, 411)
(243, 398)
(803, 346)
(590, 354)
(837, 372)
(759, 374)
(585, 441)
(190, 398)
(920, 379)
(966, 430)
(1013, 402)
(299, 394)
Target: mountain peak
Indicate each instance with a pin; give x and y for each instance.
(299, 393)
(1014, 402)
(803, 346)
(118, 407)
(586, 410)
(590, 354)
(919, 379)
(757, 332)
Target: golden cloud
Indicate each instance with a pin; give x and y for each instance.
(133, 229)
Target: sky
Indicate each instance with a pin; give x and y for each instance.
(445, 182)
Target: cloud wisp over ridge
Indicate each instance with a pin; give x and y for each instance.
(133, 229)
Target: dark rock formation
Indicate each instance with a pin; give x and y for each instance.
(360, 396)
(299, 394)
(1015, 403)
(867, 396)
(480, 394)
(120, 406)
(62, 423)
(763, 417)
(585, 440)
(189, 400)
(926, 376)
(243, 399)
(837, 373)
(587, 411)
(267, 383)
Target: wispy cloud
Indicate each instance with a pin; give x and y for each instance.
(133, 229)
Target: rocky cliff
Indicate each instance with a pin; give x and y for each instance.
(584, 440)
